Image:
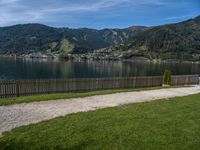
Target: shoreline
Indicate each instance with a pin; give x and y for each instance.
(85, 57)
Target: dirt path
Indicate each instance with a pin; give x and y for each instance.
(23, 114)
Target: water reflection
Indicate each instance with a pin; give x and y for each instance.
(48, 69)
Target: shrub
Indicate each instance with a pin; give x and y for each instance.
(167, 79)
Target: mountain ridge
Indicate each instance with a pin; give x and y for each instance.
(28, 38)
(171, 41)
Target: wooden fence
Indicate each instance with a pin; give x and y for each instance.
(12, 88)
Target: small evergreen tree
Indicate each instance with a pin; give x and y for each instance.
(167, 79)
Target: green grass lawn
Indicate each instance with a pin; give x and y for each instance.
(162, 125)
(46, 97)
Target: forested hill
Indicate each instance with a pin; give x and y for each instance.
(30, 38)
(172, 41)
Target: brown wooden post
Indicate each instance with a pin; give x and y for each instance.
(17, 88)
(49, 87)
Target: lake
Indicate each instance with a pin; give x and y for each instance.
(11, 68)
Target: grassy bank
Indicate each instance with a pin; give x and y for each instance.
(46, 97)
(172, 124)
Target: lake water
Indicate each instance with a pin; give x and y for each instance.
(48, 69)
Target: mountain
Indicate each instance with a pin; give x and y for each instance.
(31, 38)
(173, 41)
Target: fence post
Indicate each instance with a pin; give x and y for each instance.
(17, 88)
(198, 79)
(49, 86)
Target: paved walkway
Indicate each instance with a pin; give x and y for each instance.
(23, 114)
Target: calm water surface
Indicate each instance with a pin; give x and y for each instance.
(48, 69)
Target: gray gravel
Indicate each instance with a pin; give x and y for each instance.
(23, 114)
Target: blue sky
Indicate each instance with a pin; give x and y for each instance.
(97, 13)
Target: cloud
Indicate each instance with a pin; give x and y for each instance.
(73, 11)
(2, 2)
(99, 5)
(178, 17)
(87, 7)
(22, 11)
(153, 2)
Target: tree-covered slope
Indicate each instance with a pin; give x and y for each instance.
(173, 41)
(29, 38)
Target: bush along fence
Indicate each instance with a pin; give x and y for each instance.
(15, 88)
(167, 78)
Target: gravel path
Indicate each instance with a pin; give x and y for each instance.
(23, 114)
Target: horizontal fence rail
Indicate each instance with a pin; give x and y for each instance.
(15, 88)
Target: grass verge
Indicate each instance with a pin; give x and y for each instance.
(46, 97)
(170, 124)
